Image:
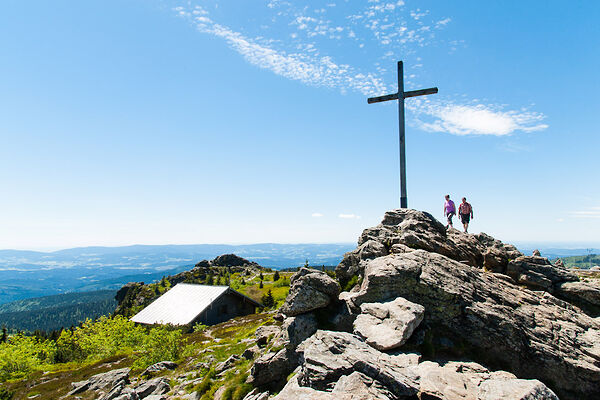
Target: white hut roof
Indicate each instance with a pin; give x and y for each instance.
(182, 304)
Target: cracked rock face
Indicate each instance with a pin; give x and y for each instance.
(388, 325)
(492, 320)
(327, 356)
(310, 289)
(102, 381)
(338, 365)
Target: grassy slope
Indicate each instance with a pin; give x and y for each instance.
(582, 262)
(219, 341)
(216, 343)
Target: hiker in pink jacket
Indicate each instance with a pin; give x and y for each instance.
(449, 210)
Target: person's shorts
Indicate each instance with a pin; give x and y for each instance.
(465, 218)
(450, 216)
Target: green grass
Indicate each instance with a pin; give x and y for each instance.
(55, 382)
(582, 262)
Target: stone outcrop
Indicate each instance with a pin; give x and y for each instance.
(231, 260)
(101, 381)
(406, 230)
(310, 289)
(338, 365)
(327, 356)
(388, 325)
(492, 320)
(273, 367)
(156, 387)
(158, 367)
(295, 330)
(582, 294)
(419, 230)
(537, 273)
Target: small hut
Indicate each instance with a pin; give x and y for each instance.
(188, 304)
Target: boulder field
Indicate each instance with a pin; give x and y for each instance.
(434, 314)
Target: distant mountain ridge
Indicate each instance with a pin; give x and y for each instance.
(25, 274)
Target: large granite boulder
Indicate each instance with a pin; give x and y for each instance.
(295, 330)
(310, 289)
(272, 368)
(327, 356)
(487, 317)
(388, 325)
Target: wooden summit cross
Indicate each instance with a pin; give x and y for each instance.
(400, 96)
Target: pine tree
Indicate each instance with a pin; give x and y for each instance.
(4, 336)
(261, 285)
(267, 299)
(261, 276)
(276, 276)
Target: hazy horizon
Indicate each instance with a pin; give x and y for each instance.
(573, 245)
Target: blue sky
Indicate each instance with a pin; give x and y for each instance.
(240, 122)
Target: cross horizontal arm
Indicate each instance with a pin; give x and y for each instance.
(379, 99)
(412, 93)
(420, 92)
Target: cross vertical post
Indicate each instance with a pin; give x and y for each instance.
(402, 136)
(400, 96)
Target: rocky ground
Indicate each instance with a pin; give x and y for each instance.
(426, 314)
(436, 314)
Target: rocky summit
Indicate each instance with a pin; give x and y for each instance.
(415, 312)
(434, 314)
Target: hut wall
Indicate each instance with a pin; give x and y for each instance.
(224, 308)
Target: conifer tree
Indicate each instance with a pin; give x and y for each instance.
(276, 276)
(267, 299)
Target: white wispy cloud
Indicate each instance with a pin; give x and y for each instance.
(349, 216)
(478, 119)
(443, 22)
(316, 215)
(589, 213)
(309, 68)
(394, 29)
